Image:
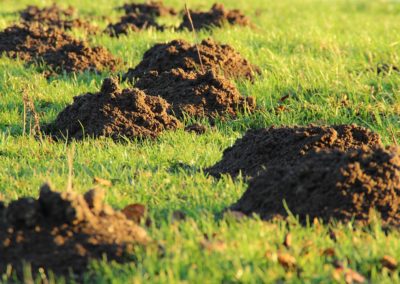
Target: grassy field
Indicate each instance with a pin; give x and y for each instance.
(321, 53)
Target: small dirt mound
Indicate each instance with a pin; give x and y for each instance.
(196, 94)
(133, 22)
(56, 17)
(330, 184)
(60, 52)
(63, 231)
(113, 113)
(271, 147)
(216, 17)
(152, 8)
(181, 54)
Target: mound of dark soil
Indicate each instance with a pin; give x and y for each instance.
(216, 17)
(56, 17)
(271, 147)
(63, 231)
(60, 52)
(114, 113)
(330, 184)
(196, 94)
(180, 54)
(152, 8)
(133, 22)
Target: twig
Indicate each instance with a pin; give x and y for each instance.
(393, 136)
(195, 35)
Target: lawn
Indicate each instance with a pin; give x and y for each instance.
(323, 54)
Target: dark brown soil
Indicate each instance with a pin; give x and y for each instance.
(152, 8)
(114, 113)
(196, 94)
(217, 16)
(271, 147)
(196, 128)
(181, 54)
(59, 52)
(133, 22)
(63, 231)
(330, 184)
(55, 16)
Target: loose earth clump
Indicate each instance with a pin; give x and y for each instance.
(330, 184)
(114, 113)
(36, 43)
(217, 16)
(152, 8)
(181, 54)
(196, 94)
(271, 147)
(63, 231)
(133, 22)
(55, 16)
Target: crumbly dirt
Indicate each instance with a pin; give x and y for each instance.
(59, 52)
(57, 17)
(63, 231)
(114, 113)
(266, 148)
(330, 184)
(196, 94)
(152, 8)
(133, 22)
(181, 54)
(217, 16)
(196, 128)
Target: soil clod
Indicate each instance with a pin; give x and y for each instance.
(133, 22)
(196, 128)
(152, 8)
(60, 52)
(330, 184)
(217, 16)
(267, 148)
(181, 54)
(196, 94)
(114, 113)
(60, 232)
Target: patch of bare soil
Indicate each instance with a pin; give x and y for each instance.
(267, 148)
(59, 52)
(152, 8)
(181, 54)
(55, 16)
(330, 184)
(196, 94)
(114, 113)
(63, 231)
(133, 22)
(217, 16)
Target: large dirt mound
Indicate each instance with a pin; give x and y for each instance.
(330, 184)
(63, 231)
(195, 93)
(181, 54)
(217, 16)
(56, 17)
(153, 8)
(133, 22)
(271, 147)
(60, 52)
(114, 113)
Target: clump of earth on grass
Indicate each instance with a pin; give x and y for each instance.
(63, 231)
(133, 22)
(181, 54)
(330, 184)
(36, 43)
(152, 8)
(55, 16)
(261, 149)
(217, 16)
(196, 94)
(114, 113)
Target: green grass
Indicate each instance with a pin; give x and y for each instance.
(318, 52)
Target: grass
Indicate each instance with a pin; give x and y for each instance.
(318, 52)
